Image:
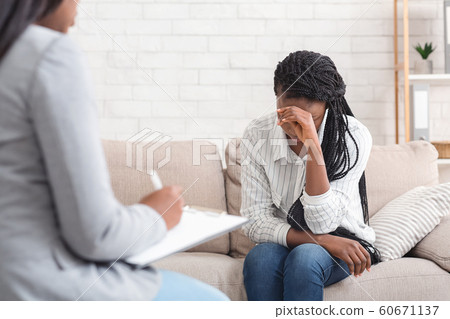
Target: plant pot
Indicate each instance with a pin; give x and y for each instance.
(423, 67)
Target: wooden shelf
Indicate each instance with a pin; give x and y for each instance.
(404, 68)
(430, 78)
(401, 66)
(443, 161)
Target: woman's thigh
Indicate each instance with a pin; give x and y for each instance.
(178, 287)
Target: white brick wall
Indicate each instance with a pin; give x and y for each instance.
(216, 59)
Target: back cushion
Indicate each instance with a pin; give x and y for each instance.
(240, 244)
(179, 165)
(393, 170)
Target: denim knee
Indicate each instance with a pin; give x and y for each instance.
(306, 256)
(265, 257)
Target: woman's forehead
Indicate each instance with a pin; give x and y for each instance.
(302, 102)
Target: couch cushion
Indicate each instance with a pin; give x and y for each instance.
(436, 245)
(400, 279)
(240, 244)
(407, 219)
(220, 271)
(130, 185)
(395, 169)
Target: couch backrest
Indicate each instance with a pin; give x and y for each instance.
(178, 165)
(391, 171)
(240, 244)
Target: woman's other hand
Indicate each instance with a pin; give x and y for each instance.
(168, 203)
(350, 251)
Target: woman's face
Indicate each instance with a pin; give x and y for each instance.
(316, 108)
(62, 18)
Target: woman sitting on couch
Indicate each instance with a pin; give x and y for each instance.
(303, 186)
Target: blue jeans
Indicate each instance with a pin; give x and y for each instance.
(274, 272)
(178, 287)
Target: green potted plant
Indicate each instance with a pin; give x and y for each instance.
(424, 66)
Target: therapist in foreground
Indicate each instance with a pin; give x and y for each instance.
(61, 228)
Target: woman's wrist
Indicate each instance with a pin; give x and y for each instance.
(311, 141)
(296, 237)
(322, 239)
(309, 134)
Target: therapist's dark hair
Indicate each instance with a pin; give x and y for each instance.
(17, 15)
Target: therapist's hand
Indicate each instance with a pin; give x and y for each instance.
(168, 203)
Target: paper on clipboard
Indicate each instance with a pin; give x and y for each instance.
(196, 227)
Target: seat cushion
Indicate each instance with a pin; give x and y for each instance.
(203, 181)
(220, 271)
(400, 279)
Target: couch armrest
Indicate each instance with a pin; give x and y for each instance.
(436, 245)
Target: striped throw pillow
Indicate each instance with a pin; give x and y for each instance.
(407, 219)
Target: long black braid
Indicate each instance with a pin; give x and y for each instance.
(306, 74)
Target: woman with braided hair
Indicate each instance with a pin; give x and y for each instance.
(303, 186)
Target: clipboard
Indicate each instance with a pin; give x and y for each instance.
(197, 226)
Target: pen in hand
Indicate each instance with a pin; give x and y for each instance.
(156, 181)
(167, 201)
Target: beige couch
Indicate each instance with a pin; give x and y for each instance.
(391, 171)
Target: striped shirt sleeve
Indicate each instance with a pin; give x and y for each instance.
(324, 212)
(257, 204)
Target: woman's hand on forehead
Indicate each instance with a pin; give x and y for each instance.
(293, 114)
(301, 120)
